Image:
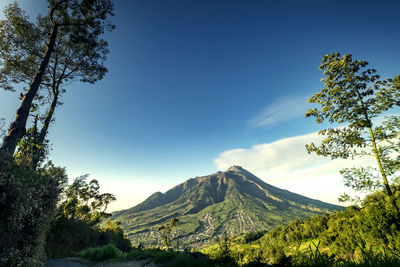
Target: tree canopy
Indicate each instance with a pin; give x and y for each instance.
(65, 44)
(355, 96)
(83, 201)
(165, 231)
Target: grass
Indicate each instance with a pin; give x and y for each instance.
(160, 256)
(313, 257)
(103, 253)
(317, 258)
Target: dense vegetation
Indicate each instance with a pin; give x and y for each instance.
(81, 222)
(349, 235)
(32, 228)
(159, 256)
(27, 201)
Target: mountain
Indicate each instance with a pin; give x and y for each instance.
(234, 201)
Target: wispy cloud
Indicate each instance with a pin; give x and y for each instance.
(282, 110)
(286, 164)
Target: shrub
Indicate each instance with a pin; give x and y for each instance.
(77, 224)
(27, 203)
(70, 236)
(186, 259)
(103, 253)
(253, 236)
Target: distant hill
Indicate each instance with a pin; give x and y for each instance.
(234, 201)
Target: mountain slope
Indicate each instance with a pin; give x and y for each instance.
(234, 201)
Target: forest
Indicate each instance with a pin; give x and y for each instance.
(46, 216)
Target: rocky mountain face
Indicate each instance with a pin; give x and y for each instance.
(234, 201)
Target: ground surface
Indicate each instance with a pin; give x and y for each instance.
(78, 262)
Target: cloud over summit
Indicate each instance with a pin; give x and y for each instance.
(286, 164)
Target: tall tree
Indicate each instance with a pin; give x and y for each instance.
(71, 60)
(73, 27)
(355, 96)
(83, 201)
(165, 231)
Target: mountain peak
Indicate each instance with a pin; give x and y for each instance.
(236, 168)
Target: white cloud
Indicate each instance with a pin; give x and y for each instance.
(279, 111)
(286, 164)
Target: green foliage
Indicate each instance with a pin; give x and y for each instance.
(30, 151)
(157, 255)
(67, 237)
(19, 47)
(83, 201)
(77, 224)
(78, 52)
(224, 253)
(224, 246)
(351, 95)
(165, 231)
(358, 236)
(355, 96)
(111, 232)
(180, 259)
(103, 253)
(27, 202)
(253, 236)
(64, 45)
(313, 257)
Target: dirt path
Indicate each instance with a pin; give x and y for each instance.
(131, 263)
(79, 262)
(62, 263)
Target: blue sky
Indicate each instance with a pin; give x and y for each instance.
(191, 81)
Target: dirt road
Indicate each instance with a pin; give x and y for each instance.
(78, 262)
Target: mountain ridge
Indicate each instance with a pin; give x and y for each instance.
(234, 200)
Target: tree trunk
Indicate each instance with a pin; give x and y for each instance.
(378, 159)
(383, 173)
(49, 117)
(45, 127)
(17, 128)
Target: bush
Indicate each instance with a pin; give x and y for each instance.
(111, 232)
(77, 224)
(253, 236)
(186, 259)
(103, 253)
(27, 202)
(69, 236)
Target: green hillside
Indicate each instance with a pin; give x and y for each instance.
(234, 201)
(365, 235)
